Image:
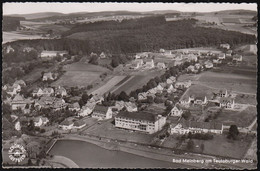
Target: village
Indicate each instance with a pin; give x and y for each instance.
(165, 109)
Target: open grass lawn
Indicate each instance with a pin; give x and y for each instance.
(222, 146)
(241, 119)
(199, 91)
(231, 82)
(77, 78)
(107, 129)
(246, 99)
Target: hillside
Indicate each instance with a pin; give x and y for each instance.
(137, 35)
(11, 23)
(38, 15)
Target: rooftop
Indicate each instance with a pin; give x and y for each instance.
(145, 116)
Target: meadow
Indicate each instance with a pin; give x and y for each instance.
(80, 74)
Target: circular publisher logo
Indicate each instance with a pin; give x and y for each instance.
(17, 153)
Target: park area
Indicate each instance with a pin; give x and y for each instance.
(80, 74)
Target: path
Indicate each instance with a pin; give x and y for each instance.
(64, 161)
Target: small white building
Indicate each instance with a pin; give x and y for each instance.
(237, 58)
(51, 54)
(176, 111)
(149, 63)
(142, 96)
(40, 121)
(221, 56)
(161, 65)
(225, 46)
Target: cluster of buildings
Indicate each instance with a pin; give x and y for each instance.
(139, 63)
(163, 86)
(15, 88)
(69, 124)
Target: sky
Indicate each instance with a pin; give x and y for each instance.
(27, 8)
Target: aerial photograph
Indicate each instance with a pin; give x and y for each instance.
(129, 85)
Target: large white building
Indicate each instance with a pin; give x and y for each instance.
(140, 121)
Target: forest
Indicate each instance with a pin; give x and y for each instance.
(136, 35)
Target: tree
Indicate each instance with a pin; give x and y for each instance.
(114, 62)
(84, 98)
(233, 132)
(190, 145)
(123, 96)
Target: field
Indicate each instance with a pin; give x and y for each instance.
(138, 81)
(222, 146)
(109, 85)
(80, 74)
(237, 83)
(241, 119)
(13, 36)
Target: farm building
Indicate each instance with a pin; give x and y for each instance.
(208, 64)
(140, 121)
(221, 56)
(20, 102)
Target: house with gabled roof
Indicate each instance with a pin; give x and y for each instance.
(66, 124)
(59, 104)
(176, 111)
(149, 63)
(40, 121)
(60, 91)
(226, 102)
(20, 102)
(47, 76)
(171, 89)
(130, 107)
(161, 65)
(102, 55)
(142, 96)
(208, 64)
(200, 100)
(221, 56)
(37, 92)
(74, 107)
(102, 112)
(171, 80)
